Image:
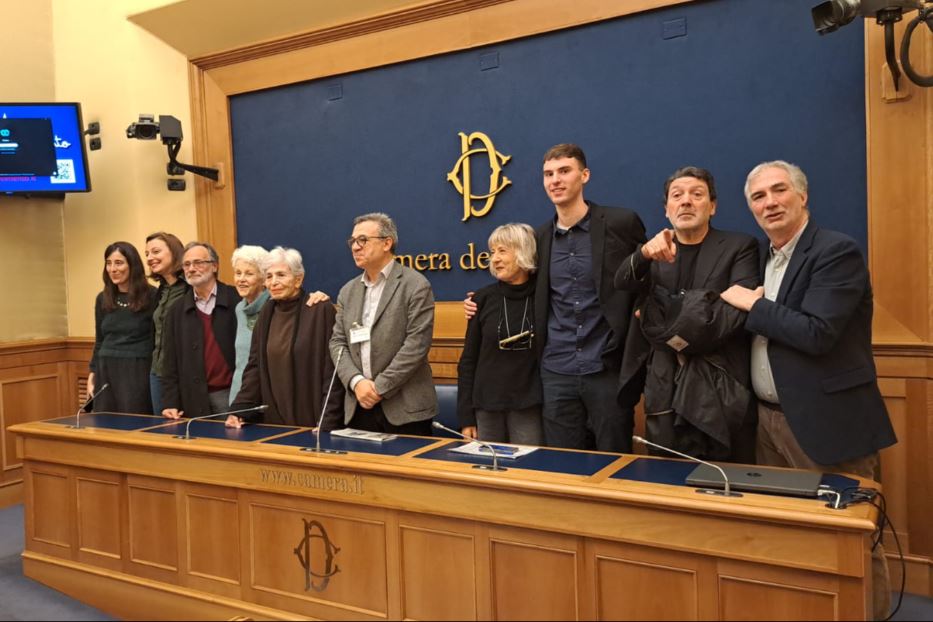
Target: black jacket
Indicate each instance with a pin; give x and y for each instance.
(615, 234)
(184, 382)
(698, 398)
(489, 378)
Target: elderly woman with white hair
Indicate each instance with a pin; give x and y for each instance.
(289, 367)
(249, 280)
(498, 383)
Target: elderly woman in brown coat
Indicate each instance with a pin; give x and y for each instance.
(289, 366)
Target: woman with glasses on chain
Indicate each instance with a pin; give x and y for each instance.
(123, 336)
(498, 383)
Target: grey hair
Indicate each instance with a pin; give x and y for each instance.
(255, 255)
(796, 174)
(387, 227)
(521, 239)
(289, 256)
(210, 250)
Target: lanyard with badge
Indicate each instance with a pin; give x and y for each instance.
(359, 334)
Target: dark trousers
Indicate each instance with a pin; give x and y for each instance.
(374, 420)
(582, 412)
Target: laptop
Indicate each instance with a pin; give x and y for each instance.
(751, 478)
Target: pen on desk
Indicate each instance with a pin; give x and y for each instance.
(501, 449)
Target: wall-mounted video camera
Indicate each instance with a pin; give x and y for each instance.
(834, 14)
(169, 128)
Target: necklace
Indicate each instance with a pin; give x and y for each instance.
(520, 340)
(122, 302)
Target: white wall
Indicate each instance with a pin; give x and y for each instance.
(117, 70)
(32, 281)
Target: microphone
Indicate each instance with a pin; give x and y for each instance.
(317, 445)
(187, 436)
(710, 491)
(90, 398)
(495, 457)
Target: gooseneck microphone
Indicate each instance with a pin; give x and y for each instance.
(711, 491)
(495, 457)
(317, 445)
(187, 436)
(90, 399)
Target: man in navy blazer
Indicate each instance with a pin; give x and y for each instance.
(812, 367)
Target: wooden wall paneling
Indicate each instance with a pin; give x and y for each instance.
(900, 195)
(572, 540)
(153, 520)
(906, 381)
(393, 566)
(792, 595)
(437, 568)
(484, 602)
(32, 352)
(894, 475)
(627, 582)
(100, 497)
(50, 517)
(740, 597)
(919, 466)
(79, 351)
(548, 585)
(322, 559)
(211, 560)
(215, 201)
(402, 36)
(11, 493)
(132, 598)
(24, 398)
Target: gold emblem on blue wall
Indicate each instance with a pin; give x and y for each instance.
(460, 175)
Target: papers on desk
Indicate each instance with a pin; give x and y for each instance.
(363, 435)
(502, 451)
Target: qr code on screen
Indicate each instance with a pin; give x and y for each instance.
(65, 173)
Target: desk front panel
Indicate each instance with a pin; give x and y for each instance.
(275, 532)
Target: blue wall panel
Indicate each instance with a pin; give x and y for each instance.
(749, 81)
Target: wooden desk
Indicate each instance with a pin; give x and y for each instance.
(146, 526)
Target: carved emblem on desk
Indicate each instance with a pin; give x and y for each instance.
(462, 180)
(318, 571)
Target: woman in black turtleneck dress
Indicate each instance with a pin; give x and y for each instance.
(498, 386)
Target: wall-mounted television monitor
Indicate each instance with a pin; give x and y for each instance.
(42, 149)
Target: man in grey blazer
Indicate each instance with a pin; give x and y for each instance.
(384, 326)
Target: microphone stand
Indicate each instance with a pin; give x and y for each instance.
(486, 467)
(187, 436)
(77, 424)
(709, 491)
(317, 445)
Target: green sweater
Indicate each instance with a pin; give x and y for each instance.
(168, 296)
(122, 332)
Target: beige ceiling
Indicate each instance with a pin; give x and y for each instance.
(201, 27)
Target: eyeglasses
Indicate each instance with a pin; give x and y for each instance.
(196, 263)
(521, 340)
(363, 239)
